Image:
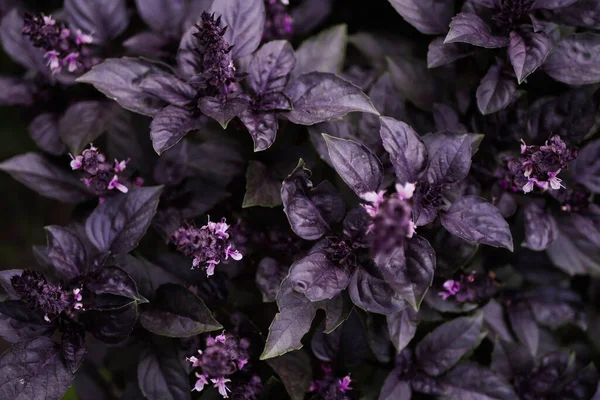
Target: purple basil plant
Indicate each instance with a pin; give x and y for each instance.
(302, 199)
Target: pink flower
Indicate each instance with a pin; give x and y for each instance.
(405, 191)
(71, 61)
(375, 198)
(220, 384)
(120, 166)
(114, 184)
(229, 252)
(315, 386)
(77, 294)
(241, 362)
(452, 288)
(221, 338)
(53, 60)
(194, 360)
(82, 38)
(201, 382)
(65, 33)
(139, 181)
(48, 20)
(210, 269)
(528, 187)
(555, 182)
(523, 146)
(345, 383)
(76, 162)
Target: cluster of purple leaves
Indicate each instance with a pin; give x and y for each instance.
(451, 238)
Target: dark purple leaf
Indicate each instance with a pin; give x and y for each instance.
(271, 66)
(188, 62)
(222, 111)
(469, 28)
(430, 17)
(295, 371)
(170, 125)
(115, 281)
(147, 276)
(441, 349)
(5, 282)
(262, 127)
(324, 52)
(395, 389)
(317, 277)
(168, 88)
(82, 123)
(269, 275)
(165, 16)
(178, 312)
(496, 91)
(495, 321)
(16, 91)
(356, 164)
(111, 326)
(575, 60)
(440, 53)
(37, 173)
(475, 382)
(73, 346)
(551, 4)
(473, 219)
(34, 370)
(449, 157)
(540, 227)
(414, 81)
(275, 101)
(320, 96)
(408, 153)
(118, 224)
(309, 14)
(510, 359)
(356, 224)
(66, 251)
(373, 294)
(295, 316)
(161, 374)
(447, 119)
(527, 51)
(262, 189)
(245, 20)
(18, 47)
(340, 128)
(572, 251)
(402, 327)
(119, 78)
(19, 323)
(585, 169)
(524, 326)
(104, 21)
(148, 44)
(329, 202)
(44, 132)
(584, 13)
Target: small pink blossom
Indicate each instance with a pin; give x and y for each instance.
(229, 252)
(76, 162)
(523, 146)
(375, 199)
(241, 362)
(48, 20)
(65, 33)
(82, 38)
(201, 382)
(210, 269)
(452, 288)
(53, 60)
(220, 384)
(71, 61)
(405, 191)
(120, 166)
(114, 184)
(139, 181)
(315, 386)
(194, 360)
(221, 338)
(555, 182)
(345, 384)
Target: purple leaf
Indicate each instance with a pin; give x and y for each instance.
(407, 151)
(170, 125)
(82, 123)
(262, 127)
(34, 370)
(447, 119)
(178, 313)
(495, 321)
(524, 326)
(318, 278)
(16, 91)
(165, 16)
(551, 4)
(340, 128)
(19, 323)
(116, 282)
(269, 276)
(118, 79)
(575, 60)
(118, 224)
(304, 216)
(540, 227)
(430, 17)
(18, 46)
(356, 164)
(188, 62)
(585, 169)
(104, 21)
(5, 282)
(222, 111)
(329, 202)
(402, 327)
(66, 251)
(73, 347)
(584, 13)
(440, 53)
(161, 374)
(261, 188)
(441, 349)
(275, 101)
(148, 44)
(295, 371)
(44, 132)
(469, 28)
(309, 14)
(319, 97)
(449, 157)
(245, 20)
(37, 173)
(414, 81)
(473, 219)
(395, 389)
(511, 359)
(527, 51)
(324, 52)
(473, 381)
(409, 272)
(271, 66)
(496, 91)
(168, 88)
(111, 326)
(373, 294)
(572, 251)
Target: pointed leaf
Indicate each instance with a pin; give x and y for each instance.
(222, 111)
(262, 127)
(440, 53)
(496, 91)
(318, 278)
(114, 281)
(524, 325)
(261, 188)
(161, 374)
(324, 52)
(540, 228)
(44, 132)
(169, 88)
(104, 21)
(373, 294)
(469, 28)
(271, 66)
(449, 157)
(472, 381)
(245, 21)
(407, 151)
(18, 46)
(402, 327)
(111, 326)
(414, 81)
(19, 323)
(527, 51)
(170, 125)
(428, 16)
(295, 371)
(395, 389)
(575, 60)
(66, 251)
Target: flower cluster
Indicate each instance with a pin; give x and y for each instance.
(391, 217)
(218, 72)
(64, 48)
(469, 288)
(209, 245)
(100, 176)
(539, 166)
(223, 356)
(331, 388)
(279, 24)
(511, 13)
(50, 298)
